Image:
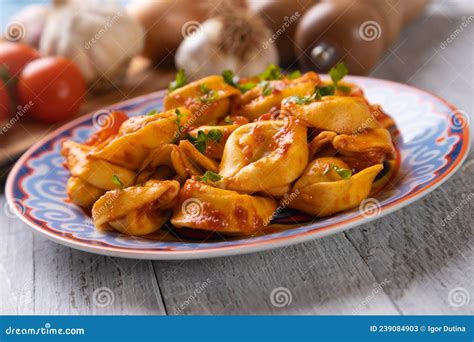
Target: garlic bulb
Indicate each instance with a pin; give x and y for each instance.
(31, 20)
(100, 37)
(235, 40)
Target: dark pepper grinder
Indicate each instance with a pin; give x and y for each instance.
(355, 32)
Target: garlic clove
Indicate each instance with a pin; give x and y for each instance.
(101, 40)
(207, 51)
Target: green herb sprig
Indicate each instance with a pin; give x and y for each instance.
(203, 138)
(180, 81)
(210, 176)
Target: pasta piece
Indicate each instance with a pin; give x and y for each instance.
(214, 149)
(137, 137)
(82, 193)
(97, 172)
(263, 155)
(320, 141)
(136, 210)
(368, 141)
(340, 114)
(184, 159)
(111, 125)
(202, 206)
(321, 190)
(383, 118)
(269, 94)
(207, 98)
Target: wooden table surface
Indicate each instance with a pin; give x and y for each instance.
(405, 263)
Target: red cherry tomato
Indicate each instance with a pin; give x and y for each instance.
(54, 85)
(14, 56)
(5, 102)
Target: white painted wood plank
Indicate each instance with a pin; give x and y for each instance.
(16, 265)
(74, 282)
(326, 276)
(428, 258)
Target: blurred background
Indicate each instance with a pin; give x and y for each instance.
(84, 55)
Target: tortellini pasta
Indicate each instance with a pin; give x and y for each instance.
(263, 155)
(205, 207)
(340, 114)
(208, 99)
(137, 137)
(227, 154)
(269, 94)
(322, 191)
(136, 210)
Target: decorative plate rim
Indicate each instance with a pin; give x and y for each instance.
(249, 246)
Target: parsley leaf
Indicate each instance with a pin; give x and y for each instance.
(210, 176)
(324, 91)
(344, 88)
(229, 77)
(301, 100)
(244, 87)
(338, 72)
(272, 72)
(343, 173)
(117, 181)
(152, 112)
(294, 74)
(180, 81)
(209, 94)
(179, 116)
(202, 138)
(267, 89)
(233, 80)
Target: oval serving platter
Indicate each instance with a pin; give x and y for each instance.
(433, 141)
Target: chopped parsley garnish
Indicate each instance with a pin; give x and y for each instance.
(324, 91)
(266, 88)
(294, 74)
(244, 87)
(343, 173)
(301, 100)
(229, 78)
(117, 181)
(152, 112)
(179, 116)
(202, 138)
(272, 72)
(210, 176)
(338, 72)
(233, 80)
(228, 120)
(180, 81)
(209, 94)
